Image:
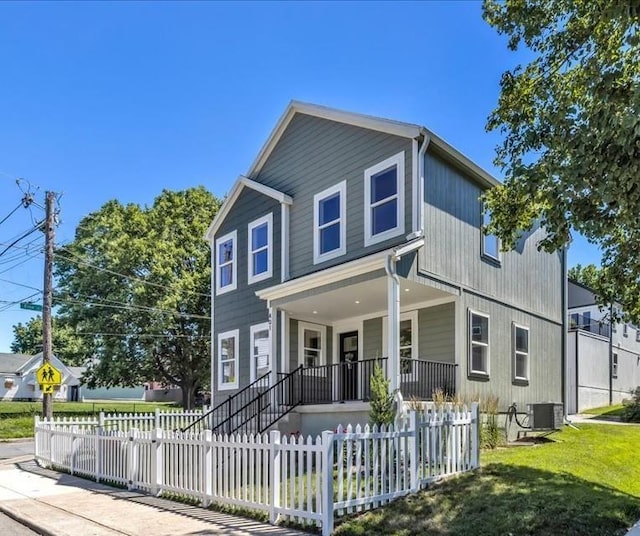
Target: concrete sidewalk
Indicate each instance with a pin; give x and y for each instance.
(57, 504)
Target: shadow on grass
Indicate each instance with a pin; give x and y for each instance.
(504, 500)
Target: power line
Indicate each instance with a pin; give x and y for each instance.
(24, 235)
(141, 335)
(130, 307)
(11, 304)
(79, 260)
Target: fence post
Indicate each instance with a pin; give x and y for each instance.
(327, 483)
(72, 461)
(414, 450)
(156, 455)
(207, 437)
(98, 453)
(275, 455)
(156, 420)
(101, 420)
(37, 437)
(475, 435)
(132, 458)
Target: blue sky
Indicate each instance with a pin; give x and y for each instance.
(120, 100)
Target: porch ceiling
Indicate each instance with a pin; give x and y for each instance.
(359, 299)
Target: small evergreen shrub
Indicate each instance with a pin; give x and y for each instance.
(382, 411)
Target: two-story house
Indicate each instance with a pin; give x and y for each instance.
(603, 358)
(354, 241)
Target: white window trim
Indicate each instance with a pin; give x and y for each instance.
(398, 161)
(233, 236)
(251, 278)
(471, 343)
(410, 315)
(483, 240)
(515, 352)
(252, 330)
(233, 334)
(323, 341)
(340, 188)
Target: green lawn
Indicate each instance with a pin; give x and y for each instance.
(607, 411)
(16, 418)
(581, 482)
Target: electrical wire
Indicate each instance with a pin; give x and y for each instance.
(79, 260)
(10, 213)
(24, 235)
(17, 302)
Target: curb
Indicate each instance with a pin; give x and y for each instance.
(23, 520)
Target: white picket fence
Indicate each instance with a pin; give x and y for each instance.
(306, 480)
(167, 420)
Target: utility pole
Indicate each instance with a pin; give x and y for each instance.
(47, 403)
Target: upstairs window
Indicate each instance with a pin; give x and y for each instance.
(478, 343)
(520, 353)
(490, 243)
(384, 200)
(226, 268)
(260, 254)
(329, 223)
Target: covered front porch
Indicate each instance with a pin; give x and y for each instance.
(329, 333)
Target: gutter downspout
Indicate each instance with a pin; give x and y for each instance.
(611, 353)
(418, 230)
(393, 312)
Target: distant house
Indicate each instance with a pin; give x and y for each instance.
(18, 378)
(354, 241)
(603, 360)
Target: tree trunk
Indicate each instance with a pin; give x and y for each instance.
(188, 395)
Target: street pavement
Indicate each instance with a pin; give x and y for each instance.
(16, 447)
(57, 504)
(9, 527)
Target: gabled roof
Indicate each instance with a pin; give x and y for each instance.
(12, 363)
(241, 183)
(388, 126)
(397, 128)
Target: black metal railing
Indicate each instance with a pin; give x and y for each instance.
(351, 381)
(224, 412)
(586, 323)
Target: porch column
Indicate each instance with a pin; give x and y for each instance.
(273, 341)
(393, 339)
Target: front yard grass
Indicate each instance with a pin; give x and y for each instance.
(607, 411)
(16, 418)
(580, 483)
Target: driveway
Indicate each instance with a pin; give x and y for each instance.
(16, 447)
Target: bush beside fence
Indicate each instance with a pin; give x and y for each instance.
(305, 480)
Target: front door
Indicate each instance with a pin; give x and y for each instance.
(349, 365)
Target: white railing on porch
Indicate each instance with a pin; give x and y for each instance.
(306, 480)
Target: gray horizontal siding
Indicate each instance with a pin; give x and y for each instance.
(241, 308)
(436, 333)
(526, 277)
(372, 335)
(545, 354)
(314, 154)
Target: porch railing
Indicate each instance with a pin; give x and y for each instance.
(350, 381)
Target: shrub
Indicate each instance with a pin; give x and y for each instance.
(382, 411)
(631, 411)
(489, 431)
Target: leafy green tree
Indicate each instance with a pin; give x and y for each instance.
(135, 282)
(586, 275)
(570, 120)
(67, 346)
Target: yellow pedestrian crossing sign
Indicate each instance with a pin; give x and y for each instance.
(48, 375)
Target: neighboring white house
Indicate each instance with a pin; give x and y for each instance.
(603, 360)
(18, 378)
